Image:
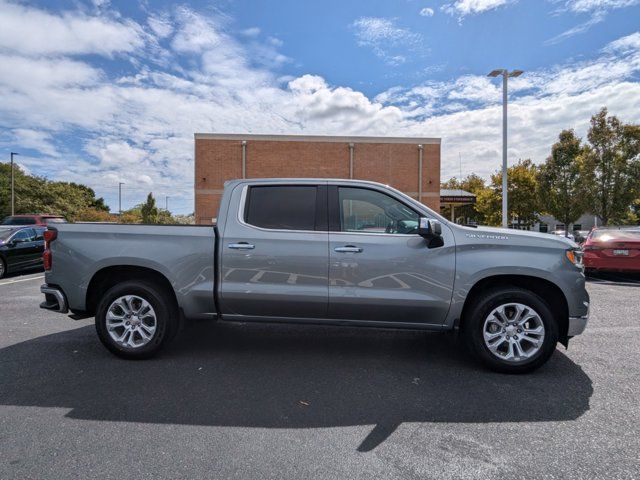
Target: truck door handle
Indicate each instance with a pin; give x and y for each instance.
(241, 246)
(348, 249)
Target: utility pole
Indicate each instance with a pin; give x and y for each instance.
(166, 203)
(120, 197)
(505, 75)
(13, 187)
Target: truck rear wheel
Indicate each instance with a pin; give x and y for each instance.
(134, 319)
(511, 330)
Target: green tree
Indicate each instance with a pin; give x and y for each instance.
(612, 162)
(489, 206)
(522, 196)
(149, 211)
(38, 195)
(562, 181)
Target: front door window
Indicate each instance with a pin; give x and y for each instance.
(369, 211)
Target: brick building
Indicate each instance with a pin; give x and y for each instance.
(411, 165)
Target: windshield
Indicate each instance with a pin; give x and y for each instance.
(19, 221)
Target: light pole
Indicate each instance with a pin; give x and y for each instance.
(13, 194)
(166, 203)
(120, 197)
(505, 75)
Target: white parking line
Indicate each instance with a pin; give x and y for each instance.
(612, 282)
(21, 280)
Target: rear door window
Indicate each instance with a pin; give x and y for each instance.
(282, 207)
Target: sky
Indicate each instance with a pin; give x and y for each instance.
(102, 92)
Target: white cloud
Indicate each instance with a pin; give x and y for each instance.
(117, 154)
(36, 140)
(160, 25)
(462, 8)
(427, 12)
(251, 32)
(339, 108)
(588, 6)
(475, 88)
(31, 31)
(196, 33)
(22, 73)
(627, 44)
(384, 36)
(596, 9)
(371, 30)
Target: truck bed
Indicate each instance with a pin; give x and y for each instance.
(183, 254)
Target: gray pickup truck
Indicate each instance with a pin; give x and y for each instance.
(328, 252)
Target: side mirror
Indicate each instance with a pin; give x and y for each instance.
(431, 231)
(429, 228)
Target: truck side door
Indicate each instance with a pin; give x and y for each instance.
(380, 269)
(274, 252)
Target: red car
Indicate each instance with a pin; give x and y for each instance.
(42, 219)
(613, 249)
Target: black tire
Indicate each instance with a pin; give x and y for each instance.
(480, 309)
(166, 314)
(3, 267)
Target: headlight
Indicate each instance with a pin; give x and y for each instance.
(575, 257)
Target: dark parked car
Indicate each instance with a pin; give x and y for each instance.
(33, 219)
(20, 248)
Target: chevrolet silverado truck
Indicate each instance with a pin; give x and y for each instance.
(323, 252)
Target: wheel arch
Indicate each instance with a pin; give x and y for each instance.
(545, 289)
(107, 277)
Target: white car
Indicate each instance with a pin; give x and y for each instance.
(561, 233)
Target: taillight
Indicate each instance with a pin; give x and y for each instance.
(47, 260)
(47, 257)
(49, 236)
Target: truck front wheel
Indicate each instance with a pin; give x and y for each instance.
(134, 319)
(510, 329)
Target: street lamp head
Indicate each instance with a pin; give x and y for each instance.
(495, 73)
(516, 73)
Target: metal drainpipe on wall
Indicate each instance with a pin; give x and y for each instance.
(244, 159)
(351, 147)
(420, 148)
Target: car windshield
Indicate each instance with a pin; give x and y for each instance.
(6, 233)
(19, 221)
(606, 235)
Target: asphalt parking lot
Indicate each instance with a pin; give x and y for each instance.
(252, 401)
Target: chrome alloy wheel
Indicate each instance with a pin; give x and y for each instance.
(513, 332)
(131, 321)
